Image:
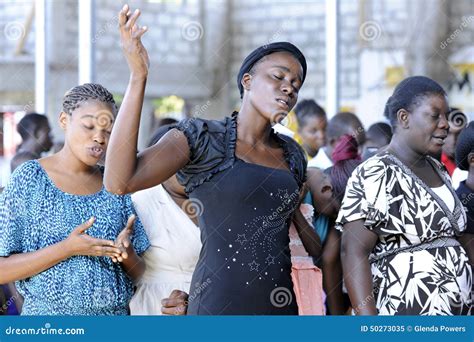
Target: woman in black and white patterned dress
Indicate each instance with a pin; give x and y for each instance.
(401, 218)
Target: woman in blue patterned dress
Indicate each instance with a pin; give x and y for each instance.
(62, 235)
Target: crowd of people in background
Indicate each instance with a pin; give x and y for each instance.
(230, 217)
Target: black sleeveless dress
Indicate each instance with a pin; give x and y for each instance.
(244, 266)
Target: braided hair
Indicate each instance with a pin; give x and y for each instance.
(88, 91)
(408, 94)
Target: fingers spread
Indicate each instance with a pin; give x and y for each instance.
(131, 21)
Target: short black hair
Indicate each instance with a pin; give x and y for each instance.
(340, 125)
(30, 123)
(159, 133)
(380, 133)
(464, 146)
(74, 97)
(408, 94)
(306, 109)
(166, 121)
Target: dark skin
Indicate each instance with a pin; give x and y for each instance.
(40, 141)
(467, 240)
(74, 170)
(269, 94)
(420, 132)
(177, 193)
(313, 134)
(325, 203)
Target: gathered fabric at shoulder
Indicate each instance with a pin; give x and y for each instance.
(211, 144)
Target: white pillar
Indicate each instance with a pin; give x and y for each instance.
(332, 57)
(86, 31)
(41, 58)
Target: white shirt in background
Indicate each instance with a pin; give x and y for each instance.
(173, 254)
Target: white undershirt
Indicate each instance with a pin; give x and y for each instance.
(445, 195)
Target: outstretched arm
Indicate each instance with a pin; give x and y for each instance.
(126, 172)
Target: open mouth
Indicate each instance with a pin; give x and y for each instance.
(284, 103)
(96, 151)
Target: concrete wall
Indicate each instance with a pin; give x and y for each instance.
(197, 46)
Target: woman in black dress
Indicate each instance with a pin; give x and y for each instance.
(245, 179)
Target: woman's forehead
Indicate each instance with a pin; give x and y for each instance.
(93, 108)
(284, 60)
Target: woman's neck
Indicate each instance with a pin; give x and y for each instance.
(252, 127)
(406, 154)
(73, 165)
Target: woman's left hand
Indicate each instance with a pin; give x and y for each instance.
(123, 240)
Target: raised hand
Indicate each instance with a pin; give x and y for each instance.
(123, 241)
(130, 37)
(79, 243)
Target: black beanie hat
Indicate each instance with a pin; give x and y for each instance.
(265, 50)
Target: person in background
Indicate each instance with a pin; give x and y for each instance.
(169, 219)
(77, 259)
(378, 136)
(312, 122)
(165, 122)
(465, 191)
(35, 133)
(327, 189)
(340, 124)
(401, 219)
(448, 157)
